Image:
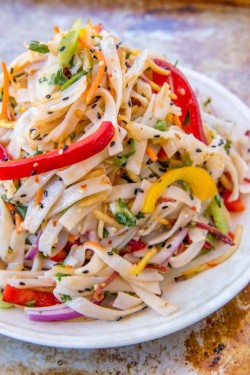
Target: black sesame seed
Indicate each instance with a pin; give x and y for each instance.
(66, 98)
(129, 103)
(62, 48)
(191, 196)
(149, 162)
(92, 50)
(81, 291)
(40, 205)
(98, 115)
(5, 158)
(138, 190)
(162, 169)
(86, 271)
(180, 229)
(12, 212)
(213, 146)
(87, 289)
(152, 175)
(60, 178)
(169, 245)
(164, 207)
(21, 283)
(118, 319)
(93, 106)
(65, 147)
(110, 253)
(48, 96)
(11, 70)
(23, 195)
(127, 65)
(157, 136)
(33, 173)
(45, 193)
(198, 150)
(150, 246)
(112, 143)
(50, 113)
(117, 46)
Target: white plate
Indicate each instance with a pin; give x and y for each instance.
(196, 298)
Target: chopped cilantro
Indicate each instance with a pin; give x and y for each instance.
(22, 210)
(74, 78)
(66, 298)
(187, 119)
(58, 78)
(208, 101)
(59, 275)
(161, 125)
(38, 47)
(105, 233)
(42, 79)
(140, 215)
(227, 145)
(30, 304)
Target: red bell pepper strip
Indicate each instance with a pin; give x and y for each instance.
(59, 257)
(162, 155)
(186, 99)
(26, 297)
(234, 206)
(59, 158)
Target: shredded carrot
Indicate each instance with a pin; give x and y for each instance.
(152, 84)
(39, 196)
(151, 154)
(173, 96)
(177, 121)
(56, 29)
(101, 70)
(18, 218)
(5, 92)
(72, 238)
(19, 221)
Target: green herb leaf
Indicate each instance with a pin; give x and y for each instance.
(161, 125)
(121, 161)
(227, 145)
(187, 119)
(37, 152)
(74, 78)
(59, 275)
(38, 47)
(58, 78)
(4, 305)
(210, 239)
(30, 304)
(218, 200)
(115, 251)
(105, 233)
(22, 210)
(184, 186)
(140, 215)
(65, 298)
(176, 62)
(186, 159)
(208, 101)
(42, 79)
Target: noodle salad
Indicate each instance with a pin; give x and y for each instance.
(110, 177)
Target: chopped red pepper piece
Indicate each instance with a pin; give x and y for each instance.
(59, 158)
(24, 297)
(60, 256)
(162, 155)
(234, 206)
(3, 154)
(186, 99)
(134, 245)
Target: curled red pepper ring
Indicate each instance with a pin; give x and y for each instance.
(68, 155)
(186, 99)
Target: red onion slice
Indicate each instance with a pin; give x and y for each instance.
(30, 255)
(170, 247)
(60, 313)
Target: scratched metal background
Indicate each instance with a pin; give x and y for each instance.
(212, 38)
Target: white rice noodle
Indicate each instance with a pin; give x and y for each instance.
(189, 254)
(229, 166)
(50, 235)
(221, 126)
(35, 214)
(134, 162)
(6, 229)
(87, 308)
(125, 301)
(37, 264)
(76, 257)
(30, 187)
(95, 265)
(79, 191)
(144, 88)
(17, 140)
(140, 197)
(69, 123)
(75, 214)
(183, 196)
(240, 165)
(90, 223)
(149, 286)
(162, 102)
(57, 101)
(5, 276)
(184, 218)
(156, 303)
(142, 99)
(32, 283)
(124, 191)
(17, 244)
(112, 61)
(81, 282)
(215, 166)
(77, 171)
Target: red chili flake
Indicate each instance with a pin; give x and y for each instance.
(83, 186)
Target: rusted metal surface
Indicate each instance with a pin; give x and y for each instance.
(212, 39)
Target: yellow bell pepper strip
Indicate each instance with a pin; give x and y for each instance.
(214, 262)
(139, 267)
(5, 101)
(199, 180)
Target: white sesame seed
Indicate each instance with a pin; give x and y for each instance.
(35, 165)
(60, 152)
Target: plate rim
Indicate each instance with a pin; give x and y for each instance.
(228, 293)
